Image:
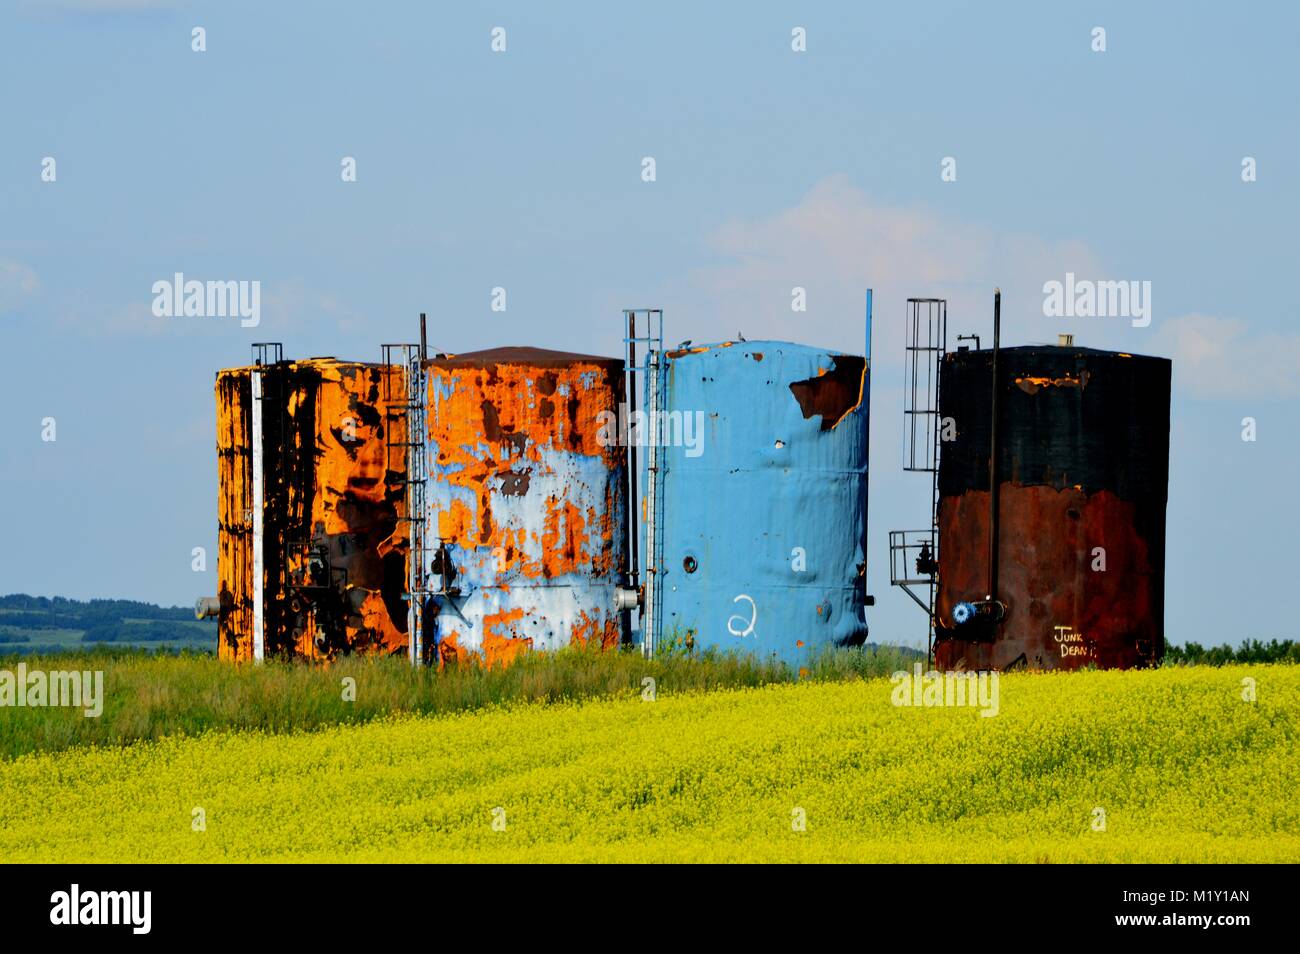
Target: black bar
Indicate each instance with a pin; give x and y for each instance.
(993, 450)
(1244, 903)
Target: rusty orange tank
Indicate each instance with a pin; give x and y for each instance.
(311, 501)
(526, 504)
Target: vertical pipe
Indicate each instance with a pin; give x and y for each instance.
(650, 615)
(633, 476)
(631, 565)
(866, 477)
(259, 493)
(424, 340)
(993, 450)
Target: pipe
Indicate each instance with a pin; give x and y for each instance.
(424, 340)
(259, 515)
(650, 607)
(993, 451)
(867, 599)
(629, 388)
(628, 597)
(206, 607)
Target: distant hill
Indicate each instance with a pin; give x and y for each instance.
(38, 624)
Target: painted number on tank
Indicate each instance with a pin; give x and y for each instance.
(747, 626)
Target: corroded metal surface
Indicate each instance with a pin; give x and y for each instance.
(1084, 469)
(763, 520)
(334, 549)
(234, 515)
(831, 393)
(527, 501)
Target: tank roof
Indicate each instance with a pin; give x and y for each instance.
(1057, 350)
(319, 361)
(768, 344)
(520, 354)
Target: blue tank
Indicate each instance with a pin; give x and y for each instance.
(755, 521)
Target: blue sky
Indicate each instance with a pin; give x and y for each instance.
(522, 170)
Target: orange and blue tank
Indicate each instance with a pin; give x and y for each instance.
(526, 504)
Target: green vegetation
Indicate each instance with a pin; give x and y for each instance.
(39, 624)
(129, 631)
(150, 696)
(1250, 651)
(151, 693)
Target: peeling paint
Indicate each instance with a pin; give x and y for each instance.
(1031, 384)
(833, 393)
(527, 501)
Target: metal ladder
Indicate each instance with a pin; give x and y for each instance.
(925, 345)
(652, 370)
(405, 429)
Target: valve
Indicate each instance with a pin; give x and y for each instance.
(626, 598)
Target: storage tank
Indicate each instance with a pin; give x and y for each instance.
(526, 503)
(1077, 565)
(311, 546)
(757, 500)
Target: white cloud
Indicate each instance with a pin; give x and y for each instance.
(1221, 358)
(837, 242)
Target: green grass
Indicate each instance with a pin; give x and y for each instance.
(48, 642)
(150, 696)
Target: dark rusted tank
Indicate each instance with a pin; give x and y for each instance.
(1082, 482)
(312, 547)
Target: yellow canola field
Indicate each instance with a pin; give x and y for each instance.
(1164, 765)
